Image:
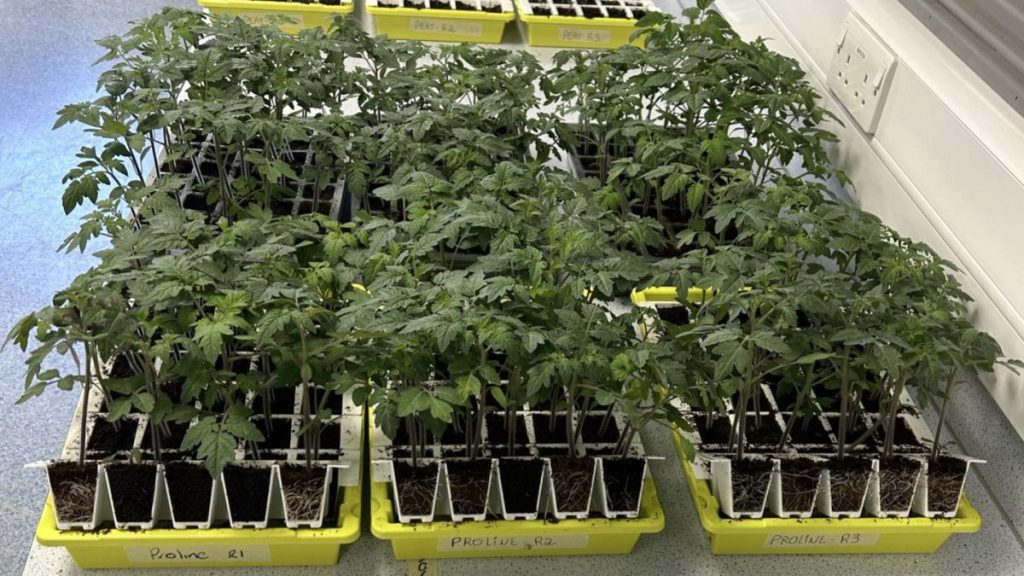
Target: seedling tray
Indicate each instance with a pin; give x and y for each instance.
(296, 16)
(507, 538)
(217, 547)
(443, 24)
(165, 546)
(821, 535)
(548, 24)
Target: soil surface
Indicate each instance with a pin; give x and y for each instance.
(800, 484)
(897, 478)
(303, 490)
(572, 478)
(497, 431)
(520, 484)
(767, 434)
(121, 368)
(717, 433)
(945, 479)
(132, 488)
(170, 439)
(750, 480)
(468, 481)
(592, 430)
(74, 490)
(808, 430)
(416, 486)
(542, 432)
(277, 435)
(110, 437)
(848, 479)
(855, 429)
(189, 487)
(623, 480)
(283, 401)
(330, 437)
(678, 315)
(248, 490)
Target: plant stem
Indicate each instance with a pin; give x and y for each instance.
(950, 382)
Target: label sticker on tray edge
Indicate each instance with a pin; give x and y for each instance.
(584, 35)
(496, 542)
(811, 539)
(171, 554)
(263, 18)
(449, 27)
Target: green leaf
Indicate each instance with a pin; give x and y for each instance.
(144, 402)
(209, 336)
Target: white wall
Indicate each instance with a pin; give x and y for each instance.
(946, 164)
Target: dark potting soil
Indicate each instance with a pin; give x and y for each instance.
(638, 14)
(905, 438)
(591, 12)
(468, 481)
(855, 429)
(453, 437)
(871, 403)
(785, 397)
(303, 490)
(282, 207)
(767, 434)
(540, 9)
(276, 434)
(238, 365)
(750, 479)
(897, 480)
(107, 437)
(678, 315)
(800, 483)
(716, 433)
(623, 480)
(132, 489)
(848, 479)
(440, 5)
(592, 430)
(170, 439)
(572, 479)
(74, 490)
(188, 486)
(248, 489)
(520, 484)
(121, 368)
(565, 10)
(330, 437)
(542, 432)
(465, 6)
(497, 431)
(282, 402)
(945, 479)
(496, 8)
(807, 430)
(416, 486)
(555, 450)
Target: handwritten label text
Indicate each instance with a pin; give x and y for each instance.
(511, 542)
(196, 554)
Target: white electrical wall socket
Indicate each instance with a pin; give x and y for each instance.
(860, 72)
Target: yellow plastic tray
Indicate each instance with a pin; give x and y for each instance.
(576, 31)
(217, 547)
(259, 12)
(441, 25)
(667, 294)
(822, 535)
(501, 538)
